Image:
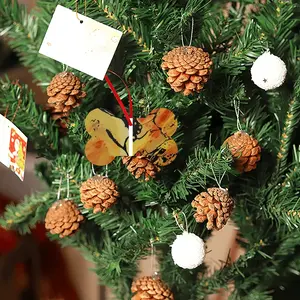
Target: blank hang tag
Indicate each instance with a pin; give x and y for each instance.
(13, 147)
(87, 46)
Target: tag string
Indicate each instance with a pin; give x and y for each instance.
(118, 98)
(81, 172)
(152, 256)
(218, 182)
(175, 214)
(237, 113)
(81, 21)
(77, 11)
(14, 116)
(19, 102)
(6, 111)
(93, 171)
(59, 188)
(214, 174)
(68, 186)
(128, 92)
(153, 269)
(95, 174)
(192, 32)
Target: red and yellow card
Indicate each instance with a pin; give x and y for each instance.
(13, 147)
(150, 136)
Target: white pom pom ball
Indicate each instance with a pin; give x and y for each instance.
(188, 251)
(268, 71)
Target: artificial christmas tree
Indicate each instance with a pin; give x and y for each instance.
(266, 200)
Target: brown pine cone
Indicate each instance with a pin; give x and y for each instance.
(64, 93)
(140, 166)
(63, 218)
(245, 151)
(99, 193)
(150, 288)
(188, 69)
(215, 206)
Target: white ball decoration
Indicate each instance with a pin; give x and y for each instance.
(188, 250)
(268, 71)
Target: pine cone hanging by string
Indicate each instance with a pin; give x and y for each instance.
(188, 69)
(245, 151)
(64, 93)
(215, 206)
(140, 166)
(99, 193)
(63, 218)
(150, 288)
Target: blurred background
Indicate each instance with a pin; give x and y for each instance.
(32, 267)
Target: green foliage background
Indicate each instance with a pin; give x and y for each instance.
(267, 208)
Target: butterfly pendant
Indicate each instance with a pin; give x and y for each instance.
(149, 136)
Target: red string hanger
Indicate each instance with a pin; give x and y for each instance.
(127, 115)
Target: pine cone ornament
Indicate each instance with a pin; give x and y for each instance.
(245, 151)
(140, 166)
(150, 288)
(215, 206)
(64, 93)
(63, 218)
(188, 69)
(99, 193)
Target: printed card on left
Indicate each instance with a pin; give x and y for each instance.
(13, 147)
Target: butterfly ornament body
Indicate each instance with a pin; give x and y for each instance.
(149, 136)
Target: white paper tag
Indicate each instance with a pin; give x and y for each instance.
(13, 147)
(88, 46)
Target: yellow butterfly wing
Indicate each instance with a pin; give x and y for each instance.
(109, 135)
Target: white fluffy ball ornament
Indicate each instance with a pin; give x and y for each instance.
(188, 250)
(268, 71)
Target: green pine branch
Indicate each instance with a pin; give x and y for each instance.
(284, 199)
(24, 215)
(255, 121)
(205, 166)
(242, 53)
(25, 34)
(18, 101)
(277, 20)
(291, 176)
(221, 278)
(291, 122)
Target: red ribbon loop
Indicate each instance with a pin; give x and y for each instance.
(118, 98)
